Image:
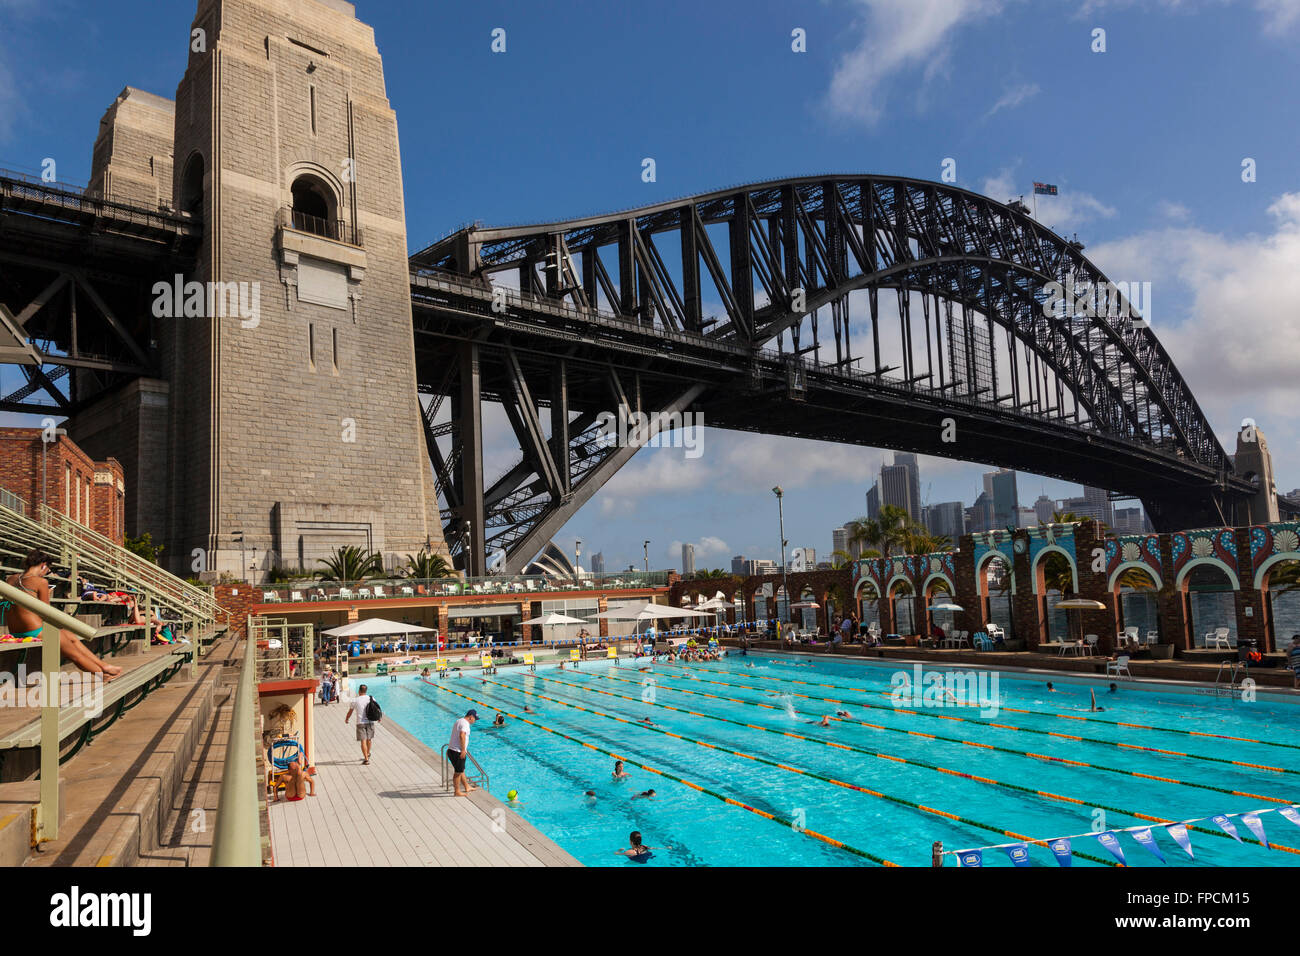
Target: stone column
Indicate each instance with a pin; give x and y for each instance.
(1026, 613)
(1092, 585)
(968, 596)
(1251, 604)
(1172, 607)
(602, 605)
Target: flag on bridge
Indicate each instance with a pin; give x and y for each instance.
(1044, 189)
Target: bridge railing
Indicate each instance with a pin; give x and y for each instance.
(19, 189)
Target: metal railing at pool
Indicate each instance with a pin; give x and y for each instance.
(480, 781)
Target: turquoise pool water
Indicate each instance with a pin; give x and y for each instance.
(841, 792)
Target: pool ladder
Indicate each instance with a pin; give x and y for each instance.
(480, 780)
(1235, 670)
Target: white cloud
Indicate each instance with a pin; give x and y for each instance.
(1014, 96)
(1235, 342)
(1279, 15)
(896, 36)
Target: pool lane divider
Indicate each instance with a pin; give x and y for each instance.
(790, 769)
(790, 824)
(1119, 744)
(1020, 788)
(1005, 750)
(1037, 713)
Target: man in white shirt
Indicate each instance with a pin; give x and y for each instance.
(458, 750)
(365, 728)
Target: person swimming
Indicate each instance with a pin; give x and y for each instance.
(842, 713)
(500, 721)
(1050, 687)
(619, 772)
(643, 795)
(638, 852)
(824, 722)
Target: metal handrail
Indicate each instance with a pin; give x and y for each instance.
(481, 781)
(47, 813)
(237, 840)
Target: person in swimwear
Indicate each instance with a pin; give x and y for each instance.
(500, 721)
(638, 851)
(294, 781)
(824, 722)
(23, 623)
(619, 772)
(644, 795)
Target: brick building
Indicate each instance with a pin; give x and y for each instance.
(87, 491)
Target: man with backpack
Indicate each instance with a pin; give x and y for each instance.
(368, 714)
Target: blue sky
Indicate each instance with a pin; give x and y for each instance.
(1146, 141)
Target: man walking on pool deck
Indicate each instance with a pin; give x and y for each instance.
(458, 751)
(365, 728)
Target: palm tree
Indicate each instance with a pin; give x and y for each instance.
(351, 563)
(841, 560)
(894, 524)
(917, 539)
(1056, 569)
(428, 566)
(866, 531)
(1285, 577)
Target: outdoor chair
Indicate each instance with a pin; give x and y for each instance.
(295, 595)
(1153, 637)
(1220, 638)
(1119, 667)
(269, 596)
(408, 591)
(983, 642)
(379, 591)
(1091, 645)
(345, 594)
(363, 593)
(1131, 635)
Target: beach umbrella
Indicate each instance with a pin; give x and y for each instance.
(553, 620)
(1080, 604)
(649, 612)
(375, 627)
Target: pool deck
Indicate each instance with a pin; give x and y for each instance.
(394, 812)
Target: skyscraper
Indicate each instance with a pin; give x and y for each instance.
(948, 518)
(688, 559)
(1043, 509)
(840, 540)
(739, 565)
(900, 485)
(598, 563)
(981, 513)
(1005, 499)
(1099, 504)
(873, 501)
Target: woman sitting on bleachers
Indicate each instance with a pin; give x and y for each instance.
(24, 623)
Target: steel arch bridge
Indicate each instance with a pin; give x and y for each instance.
(717, 304)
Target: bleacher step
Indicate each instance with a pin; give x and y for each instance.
(18, 803)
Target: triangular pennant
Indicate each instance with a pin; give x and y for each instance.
(1144, 837)
(1291, 813)
(1061, 850)
(1256, 825)
(1111, 842)
(1179, 832)
(1226, 826)
(970, 857)
(1019, 853)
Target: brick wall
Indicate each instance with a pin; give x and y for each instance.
(89, 492)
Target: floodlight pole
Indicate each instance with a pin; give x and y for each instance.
(780, 511)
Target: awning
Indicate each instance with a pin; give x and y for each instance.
(484, 610)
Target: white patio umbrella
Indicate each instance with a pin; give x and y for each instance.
(1080, 604)
(649, 612)
(373, 627)
(554, 619)
(947, 606)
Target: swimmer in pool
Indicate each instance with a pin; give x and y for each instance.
(1093, 697)
(619, 772)
(591, 797)
(500, 721)
(528, 709)
(842, 713)
(647, 720)
(638, 851)
(644, 795)
(1050, 687)
(824, 722)
(1114, 688)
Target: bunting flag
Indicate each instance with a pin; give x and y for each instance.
(970, 857)
(1019, 853)
(1291, 814)
(1226, 826)
(1179, 832)
(1111, 842)
(1144, 837)
(1256, 825)
(1061, 850)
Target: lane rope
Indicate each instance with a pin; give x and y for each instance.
(790, 824)
(897, 759)
(791, 769)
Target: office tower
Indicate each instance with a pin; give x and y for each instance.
(873, 501)
(900, 485)
(1005, 499)
(1099, 503)
(948, 519)
(1026, 517)
(840, 540)
(598, 563)
(739, 565)
(981, 513)
(1043, 509)
(688, 559)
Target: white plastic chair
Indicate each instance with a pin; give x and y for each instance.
(379, 591)
(1091, 646)
(363, 592)
(345, 594)
(1119, 667)
(295, 595)
(1220, 638)
(408, 591)
(269, 596)
(1153, 637)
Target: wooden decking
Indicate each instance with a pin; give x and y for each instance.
(394, 812)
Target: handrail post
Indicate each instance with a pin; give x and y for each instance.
(47, 820)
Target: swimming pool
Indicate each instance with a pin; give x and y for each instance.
(743, 776)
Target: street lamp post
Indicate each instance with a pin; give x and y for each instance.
(645, 547)
(780, 511)
(577, 556)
